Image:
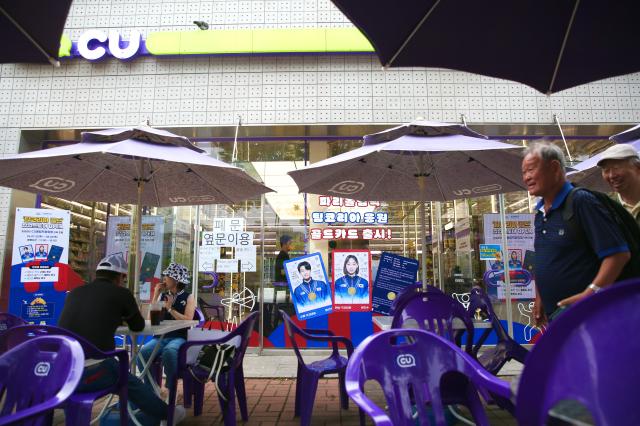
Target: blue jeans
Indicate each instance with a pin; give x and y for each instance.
(168, 350)
(105, 374)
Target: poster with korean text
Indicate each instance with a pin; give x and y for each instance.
(40, 272)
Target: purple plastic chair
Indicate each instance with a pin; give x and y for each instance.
(434, 311)
(36, 377)
(215, 306)
(414, 368)
(156, 367)
(8, 321)
(78, 407)
(588, 354)
(408, 294)
(308, 374)
(231, 382)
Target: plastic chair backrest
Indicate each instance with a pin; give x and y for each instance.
(478, 299)
(36, 377)
(8, 321)
(409, 365)
(292, 329)
(18, 335)
(590, 355)
(200, 317)
(244, 329)
(434, 311)
(406, 295)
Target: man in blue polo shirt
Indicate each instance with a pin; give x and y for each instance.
(566, 269)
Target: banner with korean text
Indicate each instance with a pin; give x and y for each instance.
(40, 270)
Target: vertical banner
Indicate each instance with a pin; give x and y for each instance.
(311, 293)
(351, 278)
(40, 265)
(118, 240)
(395, 273)
(519, 253)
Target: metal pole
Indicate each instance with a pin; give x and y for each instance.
(555, 119)
(507, 278)
(196, 255)
(262, 280)
(423, 231)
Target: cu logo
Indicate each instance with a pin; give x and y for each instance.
(478, 190)
(193, 199)
(347, 187)
(406, 360)
(42, 369)
(53, 184)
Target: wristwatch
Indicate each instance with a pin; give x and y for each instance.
(595, 288)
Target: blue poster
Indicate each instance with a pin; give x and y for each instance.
(310, 288)
(40, 272)
(395, 273)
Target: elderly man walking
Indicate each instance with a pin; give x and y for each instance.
(568, 268)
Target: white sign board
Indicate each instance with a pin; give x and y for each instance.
(227, 265)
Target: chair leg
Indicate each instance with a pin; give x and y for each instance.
(198, 397)
(187, 390)
(228, 407)
(173, 390)
(241, 394)
(308, 396)
(344, 398)
(78, 413)
(123, 401)
(475, 406)
(296, 412)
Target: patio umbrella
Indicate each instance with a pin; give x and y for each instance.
(423, 161)
(140, 165)
(587, 173)
(550, 45)
(31, 30)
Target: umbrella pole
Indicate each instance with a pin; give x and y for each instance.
(134, 244)
(25, 33)
(423, 232)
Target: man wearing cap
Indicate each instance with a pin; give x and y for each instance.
(94, 311)
(620, 165)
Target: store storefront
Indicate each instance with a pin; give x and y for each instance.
(270, 87)
(458, 232)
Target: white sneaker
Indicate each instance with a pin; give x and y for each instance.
(178, 415)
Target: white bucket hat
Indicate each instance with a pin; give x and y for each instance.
(178, 272)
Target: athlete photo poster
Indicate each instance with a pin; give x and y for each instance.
(351, 280)
(309, 285)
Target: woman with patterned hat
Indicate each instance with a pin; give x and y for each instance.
(179, 305)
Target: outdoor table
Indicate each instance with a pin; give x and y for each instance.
(384, 322)
(150, 330)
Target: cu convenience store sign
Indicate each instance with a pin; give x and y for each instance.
(96, 44)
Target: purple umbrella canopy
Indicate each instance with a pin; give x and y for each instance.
(420, 161)
(140, 165)
(31, 30)
(452, 166)
(587, 173)
(550, 45)
(107, 166)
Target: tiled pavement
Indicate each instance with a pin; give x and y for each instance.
(270, 387)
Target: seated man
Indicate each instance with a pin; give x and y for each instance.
(94, 311)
